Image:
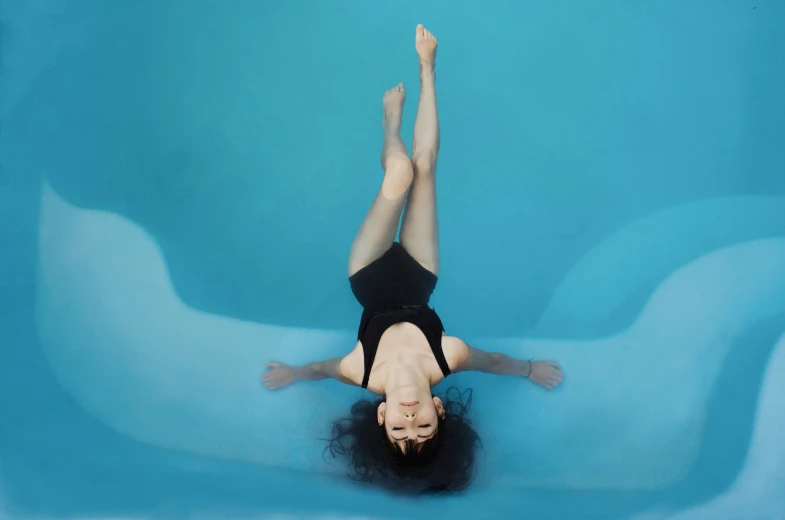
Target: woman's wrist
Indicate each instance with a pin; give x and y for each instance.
(301, 373)
(526, 368)
(310, 372)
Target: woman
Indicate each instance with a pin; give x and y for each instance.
(410, 440)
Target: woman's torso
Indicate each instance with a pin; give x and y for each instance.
(401, 343)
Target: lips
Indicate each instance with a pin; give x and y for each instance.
(410, 403)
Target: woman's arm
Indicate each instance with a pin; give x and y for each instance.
(279, 375)
(547, 374)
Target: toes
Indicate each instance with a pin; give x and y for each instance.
(423, 33)
(396, 89)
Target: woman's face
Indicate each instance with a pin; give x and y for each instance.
(415, 418)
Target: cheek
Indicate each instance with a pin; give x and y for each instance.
(430, 417)
(394, 421)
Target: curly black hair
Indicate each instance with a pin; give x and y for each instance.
(442, 464)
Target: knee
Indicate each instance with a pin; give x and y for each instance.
(397, 163)
(424, 164)
(398, 175)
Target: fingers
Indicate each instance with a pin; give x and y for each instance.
(556, 370)
(555, 377)
(270, 380)
(275, 376)
(272, 384)
(550, 381)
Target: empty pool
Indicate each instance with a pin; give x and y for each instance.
(181, 182)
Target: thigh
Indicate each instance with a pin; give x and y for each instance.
(377, 233)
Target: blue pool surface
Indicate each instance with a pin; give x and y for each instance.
(180, 183)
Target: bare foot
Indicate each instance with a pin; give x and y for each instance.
(393, 108)
(426, 44)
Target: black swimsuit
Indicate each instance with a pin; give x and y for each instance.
(395, 288)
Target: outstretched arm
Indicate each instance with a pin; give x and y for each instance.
(547, 374)
(279, 375)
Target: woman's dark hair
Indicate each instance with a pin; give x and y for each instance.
(443, 463)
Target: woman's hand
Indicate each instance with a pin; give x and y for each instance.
(278, 375)
(547, 374)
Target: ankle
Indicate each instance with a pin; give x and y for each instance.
(427, 68)
(391, 126)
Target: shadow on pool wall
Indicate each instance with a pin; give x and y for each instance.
(589, 282)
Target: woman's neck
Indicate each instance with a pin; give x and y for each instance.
(405, 376)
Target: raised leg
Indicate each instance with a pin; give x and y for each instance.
(420, 228)
(380, 226)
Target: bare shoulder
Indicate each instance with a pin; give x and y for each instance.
(351, 366)
(456, 351)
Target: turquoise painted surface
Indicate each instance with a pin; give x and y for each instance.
(180, 184)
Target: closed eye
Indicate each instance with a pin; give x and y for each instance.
(419, 436)
(399, 428)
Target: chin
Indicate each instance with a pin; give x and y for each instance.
(406, 394)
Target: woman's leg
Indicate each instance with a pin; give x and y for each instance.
(380, 226)
(420, 228)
